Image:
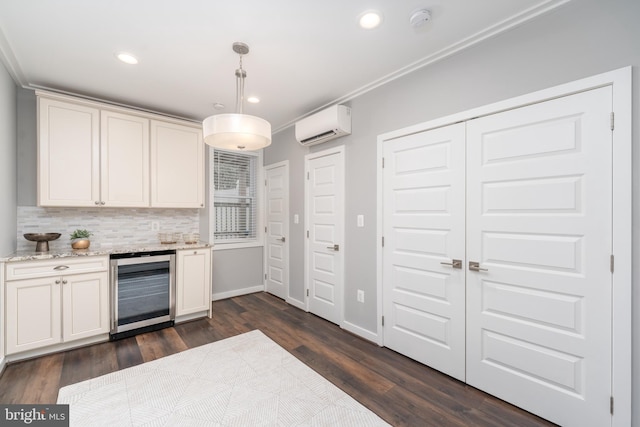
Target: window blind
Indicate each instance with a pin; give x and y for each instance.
(235, 201)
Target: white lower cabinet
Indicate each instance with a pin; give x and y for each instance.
(193, 281)
(68, 304)
(33, 314)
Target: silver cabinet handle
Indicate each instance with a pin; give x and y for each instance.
(282, 239)
(58, 282)
(64, 282)
(97, 202)
(335, 247)
(61, 267)
(475, 266)
(455, 263)
(102, 203)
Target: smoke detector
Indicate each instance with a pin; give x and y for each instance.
(419, 18)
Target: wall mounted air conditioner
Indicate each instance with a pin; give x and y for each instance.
(325, 125)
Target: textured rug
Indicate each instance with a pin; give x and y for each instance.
(246, 380)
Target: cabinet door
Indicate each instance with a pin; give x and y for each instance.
(33, 314)
(124, 160)
(85, 301)
(193, 286)
(177, 166)
(68, 154)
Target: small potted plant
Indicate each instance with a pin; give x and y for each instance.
(80, 239)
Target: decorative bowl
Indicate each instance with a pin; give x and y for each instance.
(42, 240)
(190, 238)
(168, 238)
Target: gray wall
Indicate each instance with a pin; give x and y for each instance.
(580, 39)
(27, 147)
(8, 174)
(236, 270)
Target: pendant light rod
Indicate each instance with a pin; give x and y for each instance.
(237, 131)
(241, 49)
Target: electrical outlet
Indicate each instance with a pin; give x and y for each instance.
(155, 226)
(360, 295)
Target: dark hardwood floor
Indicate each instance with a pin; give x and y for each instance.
(400, 390)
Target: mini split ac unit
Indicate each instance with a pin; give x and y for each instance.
(324, 126)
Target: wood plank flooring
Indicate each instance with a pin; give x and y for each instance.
(400, 390)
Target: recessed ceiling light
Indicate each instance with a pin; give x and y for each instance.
(253, 99)
(127, 58)
(370, 19)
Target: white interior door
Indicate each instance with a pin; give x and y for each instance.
(424, 232)
(539, 225)
(325, 225)
(277, 220)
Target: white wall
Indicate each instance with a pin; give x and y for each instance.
(8, 156)
(578, 40)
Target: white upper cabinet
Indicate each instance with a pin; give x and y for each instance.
(90, 154)
(68, 154)
(177, 166)
(124, 160)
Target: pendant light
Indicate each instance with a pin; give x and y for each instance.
(237, 131)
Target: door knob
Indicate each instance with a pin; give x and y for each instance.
(475, 266)
(335, 247)
(455, 263)
(282, 239)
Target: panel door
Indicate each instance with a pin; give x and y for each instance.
(277, 219)
(193, 281)
(85, 305)
(539, 225)
(325, 250)
(33, 314)
(424, 231)
(124, 160)
(177, 166)
(68, 154)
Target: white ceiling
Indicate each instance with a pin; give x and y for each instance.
(304, 54)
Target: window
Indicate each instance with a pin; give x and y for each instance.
(235, 214)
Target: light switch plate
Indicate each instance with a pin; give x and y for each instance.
(360, 220)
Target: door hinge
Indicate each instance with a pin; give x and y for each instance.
(383, 163)
(307, 292)
(307, 234)
(307, 175)
(265, 182)
(613, 120)
(611, 405)
(265, 229)
(612, 263)
(382, 320)
(383, 241)
(265, 276)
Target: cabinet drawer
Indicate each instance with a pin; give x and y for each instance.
(55, 267)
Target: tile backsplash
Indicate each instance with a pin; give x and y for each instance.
(110, 226)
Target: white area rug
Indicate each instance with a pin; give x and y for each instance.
(246, 380)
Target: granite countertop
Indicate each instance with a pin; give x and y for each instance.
(96, 250)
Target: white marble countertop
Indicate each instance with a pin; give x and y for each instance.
(95, 250)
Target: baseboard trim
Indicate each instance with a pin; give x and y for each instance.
(296, 303)
(361, 332)
(236, 292)
(3, 362)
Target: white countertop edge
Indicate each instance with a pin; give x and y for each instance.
(100, 250)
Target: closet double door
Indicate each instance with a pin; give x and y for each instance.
(496, 263)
